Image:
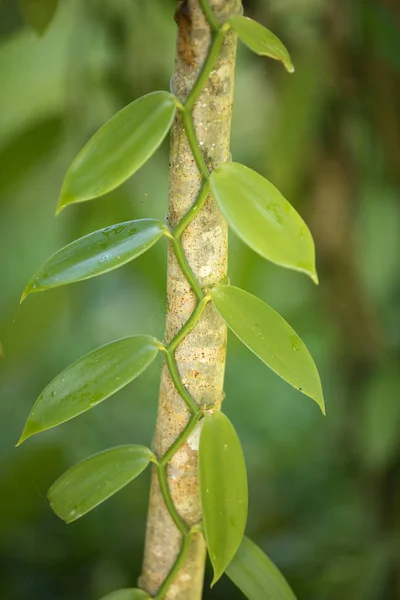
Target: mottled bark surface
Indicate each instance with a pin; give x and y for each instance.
(201, 356)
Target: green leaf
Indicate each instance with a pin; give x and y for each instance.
(261, 40)
(256, 576)
(223, 490)
(263, 219)
(119, 148)
(131, 594)
(38, 13)
(268, 335)
(94, 480)
(89, 381)
(96, 253)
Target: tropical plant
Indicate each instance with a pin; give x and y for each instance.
(199, 489)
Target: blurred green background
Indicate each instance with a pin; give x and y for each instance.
(324, 492)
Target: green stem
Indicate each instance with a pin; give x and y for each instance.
(162, 592)
(189, 325)
(193, 141)
(181, 439)
(176, 378)
(208, 66)
(169, 503)
(193, 210)
(209, 14)
(185, 267)
(202, 300)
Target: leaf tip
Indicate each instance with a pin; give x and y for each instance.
(289, 66)
(314, 277)
(30, 429)
(319, 399)
(25, 293)
(60, 207)
(22, 439)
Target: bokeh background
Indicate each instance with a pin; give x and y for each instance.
(324, 492)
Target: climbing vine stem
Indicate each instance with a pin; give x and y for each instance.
(202, 299)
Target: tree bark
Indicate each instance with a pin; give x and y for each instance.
(201, 356)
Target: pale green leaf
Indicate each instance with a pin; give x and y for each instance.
(268, 335)
(263, 219)
(256, 575)
(94, 480)
(261, 40)
(96, 253)
(128, 594)
(223, 490)
(119, 148)
(89, 381)
(38, 13)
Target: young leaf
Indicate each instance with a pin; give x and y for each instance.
(89, 381)
(38, 13)
(94, 480)
(119, 148)
(96, 253)
(262, 218)
(131, 594)
(256, 576)
(223, 490)
(261, 40)
(268, 335)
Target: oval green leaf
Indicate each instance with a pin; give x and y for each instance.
(256, 575)
(223, 490)
(38, 13)
(119, 148)
(128, 594)
(94, 480)
(263, 219)
(261, 40)
(96, 253)
(268, 335)
(89, 381)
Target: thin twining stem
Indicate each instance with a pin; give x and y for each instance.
(196, 411)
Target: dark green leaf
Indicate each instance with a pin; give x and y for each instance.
(131, 594)
(256, 576)
(119, 148)
(223, 490)
(262, 218)
(268, 335)
(96, 253)
(89, 381)
(95, 479)
(38, 13)
(261, 40)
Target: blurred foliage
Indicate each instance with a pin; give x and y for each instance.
(324, 492)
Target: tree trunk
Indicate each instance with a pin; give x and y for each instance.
(201, 356)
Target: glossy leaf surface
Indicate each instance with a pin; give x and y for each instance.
(262, 218)
(261, 40)
(38, 13)
(268, 335)
(128, 594)
(96, 253)
(223, 490)
(94, 480)
(89, 381)
(119, 148)
(256, 575)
